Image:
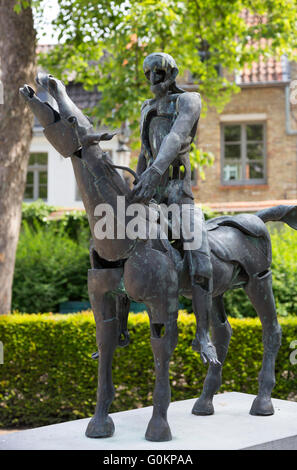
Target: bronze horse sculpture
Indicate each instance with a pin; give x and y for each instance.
(153, 271)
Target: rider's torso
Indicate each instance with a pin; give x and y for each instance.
(161, 115)
(157, 120)
(159, 127)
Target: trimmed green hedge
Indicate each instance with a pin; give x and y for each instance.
(48, 375)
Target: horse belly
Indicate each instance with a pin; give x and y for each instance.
(229, 244)
(222, 275)
(222, 278)
(113, 250)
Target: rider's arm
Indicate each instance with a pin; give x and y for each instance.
(141, 163)
(189, 106)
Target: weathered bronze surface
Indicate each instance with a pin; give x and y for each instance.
(237, 250)
(168, 126)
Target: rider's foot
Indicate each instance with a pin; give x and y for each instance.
(206, 349)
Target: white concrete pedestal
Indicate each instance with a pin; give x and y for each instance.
(231, 427)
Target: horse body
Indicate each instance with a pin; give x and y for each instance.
(154, 272)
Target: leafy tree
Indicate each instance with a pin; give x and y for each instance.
(17, 66)
(105, 45)
(200, 159)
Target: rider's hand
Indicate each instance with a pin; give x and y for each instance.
(146, 187)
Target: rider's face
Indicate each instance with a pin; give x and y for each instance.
(157, 77)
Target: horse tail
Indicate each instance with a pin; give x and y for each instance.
(285, 214)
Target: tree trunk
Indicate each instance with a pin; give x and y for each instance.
(17, 66)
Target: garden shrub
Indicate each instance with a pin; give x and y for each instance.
(48, 375)
(37, 211)
(73, 223)
(50, 268)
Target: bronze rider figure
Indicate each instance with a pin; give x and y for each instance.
(168, 127)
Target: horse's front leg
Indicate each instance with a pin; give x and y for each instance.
(107, 335)
(101, 425)
(163, 341)
(150, 276)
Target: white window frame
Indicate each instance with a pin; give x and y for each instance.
(36, 169)
(243, 157)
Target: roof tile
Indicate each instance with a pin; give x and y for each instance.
(265, 69)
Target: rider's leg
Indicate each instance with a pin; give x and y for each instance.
(221, 335)
(197, 252)
(202, 284)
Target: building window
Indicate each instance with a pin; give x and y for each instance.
(243, 153)
(36, 185)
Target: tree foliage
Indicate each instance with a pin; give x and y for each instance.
(200, 159)
(105, 44)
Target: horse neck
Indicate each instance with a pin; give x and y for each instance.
(67, 108)
(98, 192)
(90, 195)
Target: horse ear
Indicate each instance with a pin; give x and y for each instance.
(106, 136)
(52, 82)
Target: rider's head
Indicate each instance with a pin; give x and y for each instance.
(161, 70)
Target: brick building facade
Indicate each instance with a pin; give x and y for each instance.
(254, 141)
(261, 107)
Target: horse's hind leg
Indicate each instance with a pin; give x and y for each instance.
(259, 291)
(221, 334)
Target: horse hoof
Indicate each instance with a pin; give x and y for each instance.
(98, 428)
(158, 430)
(262, 407)
(203, 408)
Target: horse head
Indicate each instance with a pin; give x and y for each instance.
(67, 108)
(52, 85)
(65, 126)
